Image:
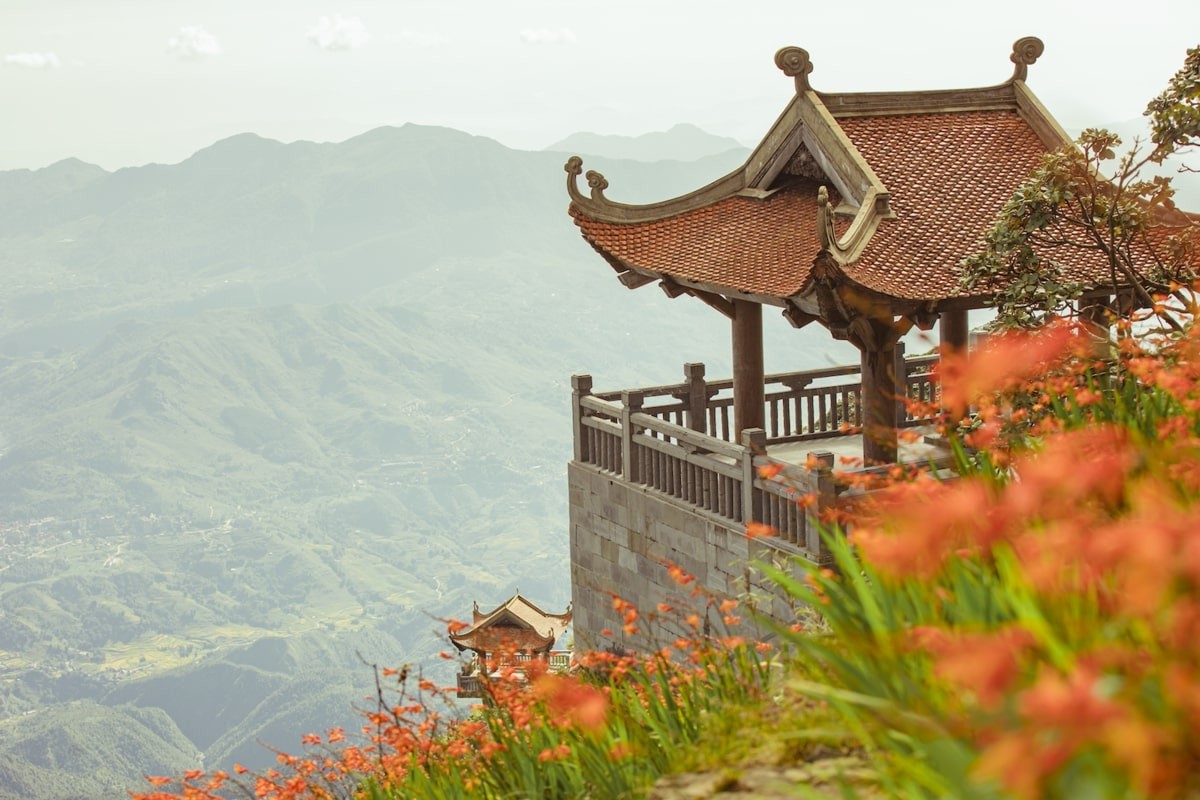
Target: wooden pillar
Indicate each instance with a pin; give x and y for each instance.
(631, 403)
(1096, 317)
(953, 331)
(821, 467)
(581, 387)
(748, 391)
(755, 442)
(900, 370)
(697, 396)
(954, 334)
(879, 401)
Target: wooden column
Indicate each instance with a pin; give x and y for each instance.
(1097, 318)
(954, 335)
(581, 387)
(697, 396)
(822, 476)
(953, 331)
(631, 403)
(755, 442)
(747, 367)
(877, 344)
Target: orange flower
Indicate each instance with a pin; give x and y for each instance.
(556, 754)
(620, 750)
(769, 471)
(998, 364)
(987, 664)
(572, 702)
(678, 575)
(757, 530)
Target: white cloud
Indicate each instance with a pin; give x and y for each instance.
(546, 36)
(193, 43)
(32, 60)
(338, 33)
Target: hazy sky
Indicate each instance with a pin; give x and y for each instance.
(123, 82)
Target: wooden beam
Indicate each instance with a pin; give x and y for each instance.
(748, 377)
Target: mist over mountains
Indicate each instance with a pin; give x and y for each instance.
(271, 411)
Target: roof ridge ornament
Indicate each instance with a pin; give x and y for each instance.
(795, 63)
(826, 233)
(1026, 51)
(595, 180)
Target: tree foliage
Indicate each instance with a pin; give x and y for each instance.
(1085, 204)
(1175, 114)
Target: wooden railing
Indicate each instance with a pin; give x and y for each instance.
(470, 686)
(471, 679)
(800, 406)
(677, 440)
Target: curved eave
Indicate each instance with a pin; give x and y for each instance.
(491, 637)
(758, 249)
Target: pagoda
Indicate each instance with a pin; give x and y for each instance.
(514, 632)
(855, 212)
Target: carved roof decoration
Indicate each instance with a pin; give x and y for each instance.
(893, 189)
(516, 623)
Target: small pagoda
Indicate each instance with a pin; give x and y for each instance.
(516, 631)
(854, 212)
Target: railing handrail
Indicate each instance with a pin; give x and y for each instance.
(681, 446)
(700, 441)
(807, 376)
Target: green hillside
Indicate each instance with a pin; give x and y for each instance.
(279, 406)
(86, 751)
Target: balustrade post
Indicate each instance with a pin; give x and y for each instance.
(754, 440)
(697, 389)
(581, 387)
(631, 403)
(901, 386)
(821, 466)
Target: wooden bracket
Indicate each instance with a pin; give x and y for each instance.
(719, 302)
(924, 320)
(798, 318)
(672, 289)
(634, 280)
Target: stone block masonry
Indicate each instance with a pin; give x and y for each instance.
(623, 534)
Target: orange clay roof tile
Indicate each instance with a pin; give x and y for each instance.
(949, 174)
(749, 245)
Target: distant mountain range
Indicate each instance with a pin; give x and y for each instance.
(278, 406)
(681, 142)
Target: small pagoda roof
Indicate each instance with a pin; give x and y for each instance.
(885, 192)
(515, 623)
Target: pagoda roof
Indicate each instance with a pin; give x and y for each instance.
(885, 192)
(515, 623)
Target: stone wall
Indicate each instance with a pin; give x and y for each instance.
(622, 533)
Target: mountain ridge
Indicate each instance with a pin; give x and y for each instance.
(317, 396)
(680, 142)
